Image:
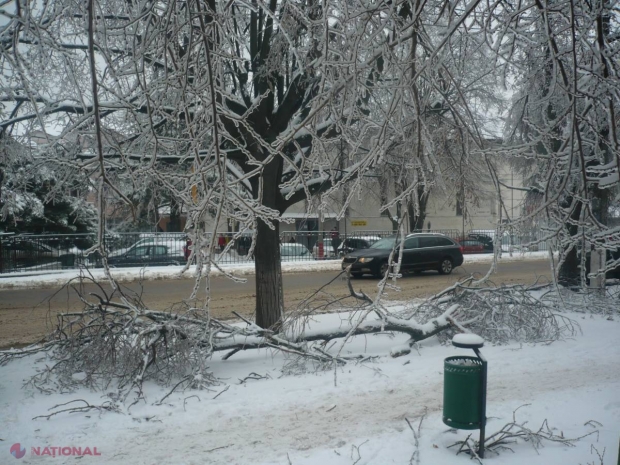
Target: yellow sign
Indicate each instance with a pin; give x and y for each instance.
(359, 223)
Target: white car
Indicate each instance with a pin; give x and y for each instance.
(293, 251)
(176, 246)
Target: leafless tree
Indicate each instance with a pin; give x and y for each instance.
(562, 59)
(248, 98)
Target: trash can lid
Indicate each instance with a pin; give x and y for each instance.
(467, 341)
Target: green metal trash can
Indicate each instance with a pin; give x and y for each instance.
(461, 392)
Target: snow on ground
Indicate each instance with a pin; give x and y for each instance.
(33, 279)
(321, 417)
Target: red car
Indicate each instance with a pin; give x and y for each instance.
(469, 246)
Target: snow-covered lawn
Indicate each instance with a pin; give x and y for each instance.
(51, 278)
(327, 417)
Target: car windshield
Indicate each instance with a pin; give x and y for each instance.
(387, 243)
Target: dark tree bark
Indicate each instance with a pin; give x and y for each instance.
(569, 273)
(269, 295)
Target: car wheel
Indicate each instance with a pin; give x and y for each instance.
(383, 270)
(356, 275)
(446, 266)
(417, 271)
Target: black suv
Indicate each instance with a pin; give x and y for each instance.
(421, 252)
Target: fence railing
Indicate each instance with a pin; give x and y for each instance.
(531, 240)
(23, 253)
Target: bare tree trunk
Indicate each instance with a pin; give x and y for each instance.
(269, 298)
(269, 295)
(569, 273)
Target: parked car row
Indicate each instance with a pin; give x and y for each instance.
(365, 254)
(144, 253)
(508, 242)
(158, 251)
(149, 255)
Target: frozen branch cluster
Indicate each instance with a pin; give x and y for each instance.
(238, 110)
(509, 436)
(563, 127)
(116, 341)
(502, 314)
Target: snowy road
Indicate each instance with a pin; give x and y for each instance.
(26, 314)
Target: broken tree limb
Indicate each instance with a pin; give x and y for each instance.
(129, 343)
(417, 332)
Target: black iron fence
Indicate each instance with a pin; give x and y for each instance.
(531, 240)
(24, 253)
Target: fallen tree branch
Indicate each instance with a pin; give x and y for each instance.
(513, 431)
(108, 406)
(130, 343)
(415, 457)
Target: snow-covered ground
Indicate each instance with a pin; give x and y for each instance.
(34, 279)
(328, 417)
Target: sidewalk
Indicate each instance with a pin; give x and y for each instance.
(50, 278)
